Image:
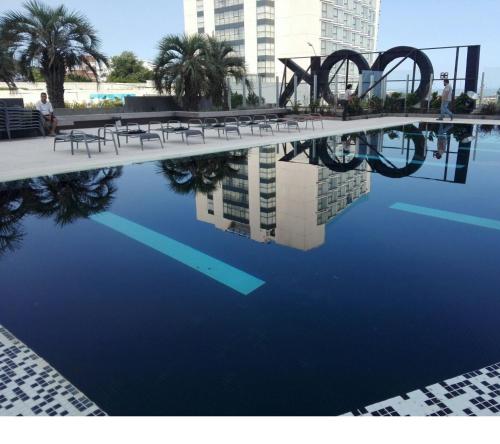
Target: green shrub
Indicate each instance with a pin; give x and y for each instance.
(314, 106)
(236, 100)
(394, 103)
(296, 107)
(78, 78)
(254, 100)
(375, 105)
(489, 109)
(463, 104)
(355, 107)
(435, 101)
(104, 104)
(412, 100)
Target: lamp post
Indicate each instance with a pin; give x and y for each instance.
(311, 45)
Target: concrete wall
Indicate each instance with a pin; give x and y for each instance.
(79, 91)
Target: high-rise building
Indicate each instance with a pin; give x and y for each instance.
(265, 30)
(287, 202)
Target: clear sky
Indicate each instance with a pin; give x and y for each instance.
(138, 25)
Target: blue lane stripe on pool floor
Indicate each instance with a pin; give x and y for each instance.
(232, 277)
(448, 215)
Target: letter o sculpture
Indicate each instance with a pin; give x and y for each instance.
(423, 62)
(330, 62)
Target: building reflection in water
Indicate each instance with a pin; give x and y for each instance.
(280, 195)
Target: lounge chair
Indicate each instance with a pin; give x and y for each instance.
(195, 129)
(231, 126)
(211, 123)
(134, 131)
(171, 127)
(274, 119)
(77, 137)
(263, 124)
(245, 122)
(316, 117)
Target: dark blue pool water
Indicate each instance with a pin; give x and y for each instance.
(358, 300)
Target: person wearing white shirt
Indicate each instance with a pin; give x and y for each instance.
(47, 111)
(446, 98)
(349, 94)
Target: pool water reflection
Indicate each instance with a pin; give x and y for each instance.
(356, 302)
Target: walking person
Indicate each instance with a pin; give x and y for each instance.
(348, 96)
(446, 100)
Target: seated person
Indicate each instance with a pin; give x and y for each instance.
(45, 108)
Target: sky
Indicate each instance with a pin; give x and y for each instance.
(138, 26)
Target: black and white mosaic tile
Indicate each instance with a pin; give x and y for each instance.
(474, 394)
(29, 386)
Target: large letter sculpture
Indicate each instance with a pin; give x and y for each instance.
(384, 59)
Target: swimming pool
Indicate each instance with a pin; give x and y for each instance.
(307, 278)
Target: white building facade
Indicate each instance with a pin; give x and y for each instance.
(265, 30)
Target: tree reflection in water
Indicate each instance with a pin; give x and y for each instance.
(200, 174)
(66, 198)
(15, 202)
(69, 197)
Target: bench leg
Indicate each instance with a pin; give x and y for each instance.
(114, 143)
(88, 149)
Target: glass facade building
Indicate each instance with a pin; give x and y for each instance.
(263, 31)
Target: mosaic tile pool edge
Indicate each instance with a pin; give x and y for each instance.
(476, 393)
(30, 386)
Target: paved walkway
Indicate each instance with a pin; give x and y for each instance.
(29, 386)
(474, 394)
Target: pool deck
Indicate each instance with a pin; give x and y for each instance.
(26, 158)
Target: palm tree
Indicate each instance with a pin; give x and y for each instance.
(181, 68)
(53, 39)
(7, 67)
(222, 63)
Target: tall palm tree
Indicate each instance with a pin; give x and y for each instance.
(53, 39)
(181, 68)
(7, 67)
(222, 63)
